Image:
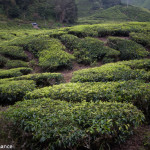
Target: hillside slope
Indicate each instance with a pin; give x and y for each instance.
(87, 7)
(118, 13)
(140, 3)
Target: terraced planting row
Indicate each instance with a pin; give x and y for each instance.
(102, 105)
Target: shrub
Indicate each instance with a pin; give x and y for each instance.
(70, 41)
(135, 92)
(16, 64)
(14, 52)
(141, 38)
(137, 64)
(83, 31)
(54, 57)
(43, 79)
(91, 49)
(14, 72)
(121, 29)
(128, 49)
(3, 61)
(13, 91)
(65, 125)
(109, 72)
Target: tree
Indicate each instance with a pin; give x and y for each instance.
(65, 11)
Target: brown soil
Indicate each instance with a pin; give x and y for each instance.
(68, 73)
(104, 39)
(136, 141)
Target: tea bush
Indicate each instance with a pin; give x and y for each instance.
(137, 64)
(55, 56)
(70, 41)
(91, 49)
(13, 52)
(43, 79)
(109, 72)
(65, 125)
(83, 31)
(16, 64)
(14, 72)
(136, 92)
(3, 61)
(105, 29)
(13, 91)
(141, 38)
(128, 49)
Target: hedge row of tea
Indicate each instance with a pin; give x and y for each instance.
(114, 72)
(88, 50)
(41, 79)
(14, 72)
(14, 89)
(101, 30)
(136, 92)
(128, 49)
(61, 125)
(49, 51)
(141, 38)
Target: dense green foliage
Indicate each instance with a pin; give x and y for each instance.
(112, 72)
(55, 56)
(141, 38)
(13, 91)
(135, 92)
(43, 79)
(140, 3)
(13, 52)
(128, 49)
(14, 72)
(72, 115)
(3, 61)
(115, 29)
(122, 13)
(66, 125)
(16, 64)
(60, 10)
(93, 5)
(88, 50)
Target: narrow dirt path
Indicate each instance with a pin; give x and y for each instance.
(68, 73)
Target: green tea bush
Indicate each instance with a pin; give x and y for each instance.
(59, 125)
(83, 31)
(42, 79)
(14, 72)
(13, 52)
(13, 91)
(3, 61)
(36, 44)
(137, 64)
(109, 72)
(141, 38)
(90, 49)
(16, 64)
(55, 57)
(128, 49)
(70, 41)
(118, 29)
(136, 92)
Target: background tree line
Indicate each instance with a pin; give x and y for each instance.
(64, 11)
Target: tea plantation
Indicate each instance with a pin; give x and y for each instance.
(84, 87)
